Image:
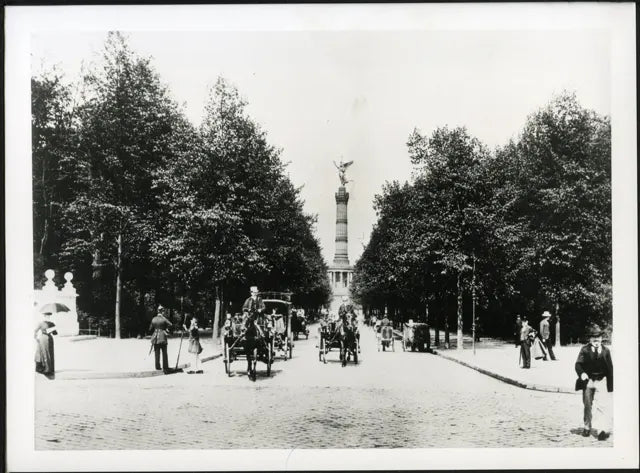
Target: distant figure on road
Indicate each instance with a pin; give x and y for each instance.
(545, 334)
(160, 325)
(517, 330)
(525, 344)
(45, 361)
(194, 344)
(595, 378)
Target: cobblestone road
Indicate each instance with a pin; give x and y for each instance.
(391, 399)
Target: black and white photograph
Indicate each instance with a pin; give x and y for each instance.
(269, 237)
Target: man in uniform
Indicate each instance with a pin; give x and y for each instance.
(595, 378)
(545, 334)
(160, 325)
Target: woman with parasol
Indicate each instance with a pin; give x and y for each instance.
(44, 358)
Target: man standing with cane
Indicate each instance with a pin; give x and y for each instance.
(160, 325)
(595, 378)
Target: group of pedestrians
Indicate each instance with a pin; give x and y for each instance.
(534, 344)
(160, 326)
(593, 366)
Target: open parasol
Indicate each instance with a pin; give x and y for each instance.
(54, 308)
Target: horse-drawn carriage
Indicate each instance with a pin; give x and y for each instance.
(384, 336)
(416, 336)
(341, 335)
(299, 324)
(278, 310)
(248, 337)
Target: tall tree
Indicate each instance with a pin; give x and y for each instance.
(129, 129)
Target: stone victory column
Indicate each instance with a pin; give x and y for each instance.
(341, 272)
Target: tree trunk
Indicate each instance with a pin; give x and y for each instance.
(118, 285)
(142, 314)
(459, 311)
(216, 319)
(446, 329)
(557, 324)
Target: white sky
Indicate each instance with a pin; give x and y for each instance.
(359, 94)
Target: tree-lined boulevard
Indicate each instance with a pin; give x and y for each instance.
(145, 208)
(389, 400)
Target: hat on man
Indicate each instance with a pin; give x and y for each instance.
(253, 288)
(546, 314)
(594, 330)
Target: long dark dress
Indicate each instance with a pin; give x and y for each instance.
(45, 361)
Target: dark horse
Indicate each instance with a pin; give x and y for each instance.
(254, 341)
(348, 342)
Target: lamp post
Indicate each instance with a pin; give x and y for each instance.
(473, 304)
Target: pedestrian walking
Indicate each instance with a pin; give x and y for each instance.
(517, 330)
(525, 344)
(594, 368)
(159, 339)
(44, 358)
(545, 334)
(194, 344)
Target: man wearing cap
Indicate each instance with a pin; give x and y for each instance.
(253, 304)
(595, 378)
(545, 334)
(160, 325)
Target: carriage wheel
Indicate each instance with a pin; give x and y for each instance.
(227, 359)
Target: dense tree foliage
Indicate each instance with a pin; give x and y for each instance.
(531, 221)
(145, 208)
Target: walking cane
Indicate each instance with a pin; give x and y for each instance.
(181, 337)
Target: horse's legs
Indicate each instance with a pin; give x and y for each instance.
(254, 363)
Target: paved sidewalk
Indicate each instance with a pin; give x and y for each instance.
(501, 362)
(500, 359)
(89, 358)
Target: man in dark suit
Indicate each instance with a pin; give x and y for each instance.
(545, 334)
(525, 344)
(595, 378)
(253, 304)
(160, 325)
(517, 329)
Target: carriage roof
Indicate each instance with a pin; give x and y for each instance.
(274, 296)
